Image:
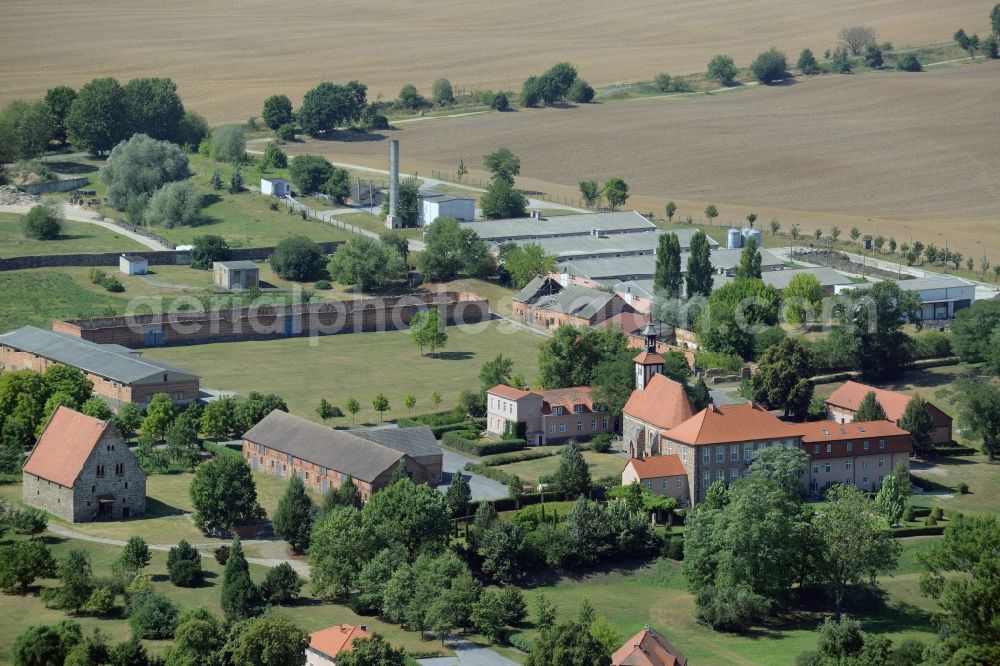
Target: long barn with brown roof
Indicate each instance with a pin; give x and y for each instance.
(286, 445)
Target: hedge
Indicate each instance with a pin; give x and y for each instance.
(494, 473)
(455, 440)
(521, 643)
(917, 531)
(509, 458)
(953, 451)
(470, 424)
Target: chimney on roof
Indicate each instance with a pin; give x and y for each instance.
(363, 627)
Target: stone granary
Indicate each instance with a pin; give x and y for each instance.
(81, 470)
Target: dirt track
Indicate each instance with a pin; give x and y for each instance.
(901, 149)
(227, 57)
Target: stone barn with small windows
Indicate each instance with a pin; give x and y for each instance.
(81, 470)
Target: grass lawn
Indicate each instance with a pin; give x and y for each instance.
(599, 464)
(656, 595)
(498, 296)
(359, 365)
(376, 224)
(75, 237)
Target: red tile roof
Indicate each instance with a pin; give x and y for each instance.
(64, 446)
(657, 467)
(649, 358)
(663, 403)
(731, 423)
(648, 648)
(850, 395)
(334, 640)
(508, 392)
(831, 431)
(566, 398)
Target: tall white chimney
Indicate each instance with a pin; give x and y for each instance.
(393, 221)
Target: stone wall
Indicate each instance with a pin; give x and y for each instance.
(48, 496)
(266, 322)
(154, 257)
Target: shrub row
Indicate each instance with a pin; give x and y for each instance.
(509, 458)
(954, 451)
(456, 440)
(933, 530)
(521, 643)
(494, 473)
(471, 424)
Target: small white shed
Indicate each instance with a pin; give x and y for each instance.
(276, 187)
(434, 206)
(132, 264)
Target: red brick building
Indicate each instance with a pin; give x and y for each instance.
(843, 404)
(286, 445)
(119, 374)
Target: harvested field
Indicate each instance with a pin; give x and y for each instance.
(891, 149)
(227, 58)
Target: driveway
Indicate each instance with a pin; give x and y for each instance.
(468, 654)
(482, 487)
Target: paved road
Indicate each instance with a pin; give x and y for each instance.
(482, 487)
(467, 654)
(80, 215)
(725, 396)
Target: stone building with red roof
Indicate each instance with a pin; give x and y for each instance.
(81, 470)
(661, 475)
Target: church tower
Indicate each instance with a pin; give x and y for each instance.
(647, 363)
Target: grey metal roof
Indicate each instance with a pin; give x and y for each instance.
(539, 286)
(105, 360)
(941, 282)
(337, 450)
(642, 266)
(416, 442)
(579, 301)
(559, 225)
(589, 247)
(238, 265)
(827, 276)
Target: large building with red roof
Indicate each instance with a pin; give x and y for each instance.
(81, 470)
(545, 416)
(666, 440)
(843, 404)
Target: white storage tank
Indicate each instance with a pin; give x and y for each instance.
(750, 232)
(734, 240)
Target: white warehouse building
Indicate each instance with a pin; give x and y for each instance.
(434, 205)
(940, 297)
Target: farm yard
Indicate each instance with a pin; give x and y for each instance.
(800, 155)
(226, 62)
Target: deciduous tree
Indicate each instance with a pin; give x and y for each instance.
(277, 111)
(97, 119)
(667, 276)
(224, 495)
(722, 69)
(699, 267)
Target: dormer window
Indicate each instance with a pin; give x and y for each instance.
(578, 409)
(558, 411)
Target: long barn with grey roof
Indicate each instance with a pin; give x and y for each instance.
(323, 458)
(585, 224)
(119, 374)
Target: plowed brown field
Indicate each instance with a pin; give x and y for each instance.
(921, 150)
(227, 56)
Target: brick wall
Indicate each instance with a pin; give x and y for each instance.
(373, 314)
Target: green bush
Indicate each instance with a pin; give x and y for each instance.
(937, 513)
(770, 66)
(917, 531)
(708, 359)
(930, 521)
(297, 258)
(500, 102)
(908, 63)
(509, 458)
(323, 284)
(494, 473)
(286, 132)
(112, 284)
(176, 204)
(42, 222)
(910, 515)
(521, 643)
(153, 616)
(229, 144)
(963, 488)
(580, 91)
(601, 443)
(932, 344)
(674, 548)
